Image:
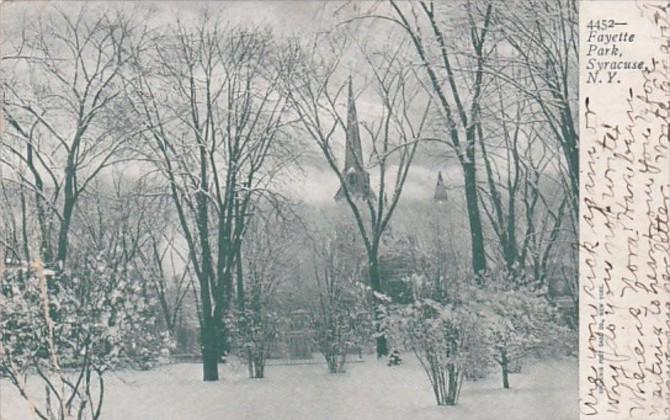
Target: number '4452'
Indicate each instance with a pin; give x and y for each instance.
(600, 24)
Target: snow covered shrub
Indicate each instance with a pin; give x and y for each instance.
(67, 329)
(252, 331)
(446, 339)
(520, 322)
(342, 322)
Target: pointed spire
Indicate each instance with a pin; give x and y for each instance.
(353, 157)
(356, 178)
(440, 189)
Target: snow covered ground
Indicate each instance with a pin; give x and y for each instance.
(367, 391)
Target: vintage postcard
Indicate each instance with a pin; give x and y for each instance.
(625, 197)
(335, 210)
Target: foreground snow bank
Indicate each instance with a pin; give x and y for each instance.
(367, 391)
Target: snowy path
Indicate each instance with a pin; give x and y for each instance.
(367, 391)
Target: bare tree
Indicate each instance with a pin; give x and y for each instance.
(394, 138)
(210, 100)
(266, 262)
(521, 177)
(170, 276)
(341, 319)
(15, 237)
(61, 89)
(543, 35)
(457, 92)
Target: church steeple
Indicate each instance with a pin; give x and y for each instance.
(440, 195)
(357, 180)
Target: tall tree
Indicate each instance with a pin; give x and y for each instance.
(520, 196)
(61, 87)
(458, 93)
(394, 137)
(211, 103)
(543, 35)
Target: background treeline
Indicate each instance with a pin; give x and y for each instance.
(151, 173)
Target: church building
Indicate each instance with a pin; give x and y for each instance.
(356, 178)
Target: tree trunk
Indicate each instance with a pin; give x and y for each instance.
(239, 275)
(259, 369)
(452, 388)
(256, 364)
(445, 381)
(210, 353)
(69, 198)
(64, 231)
(330, 362)
(476, 234)
(382, 344)
(342, 361)
(375, 284)
(504, 364)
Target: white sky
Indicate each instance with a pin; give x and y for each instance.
(319, 184)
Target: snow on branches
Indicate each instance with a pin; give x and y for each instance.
(460, 330)
(66, 329)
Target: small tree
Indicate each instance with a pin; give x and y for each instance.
(342, 319)
(265, 262)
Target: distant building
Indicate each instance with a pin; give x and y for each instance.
(356, 178)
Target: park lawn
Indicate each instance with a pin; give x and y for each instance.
(369, 390)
